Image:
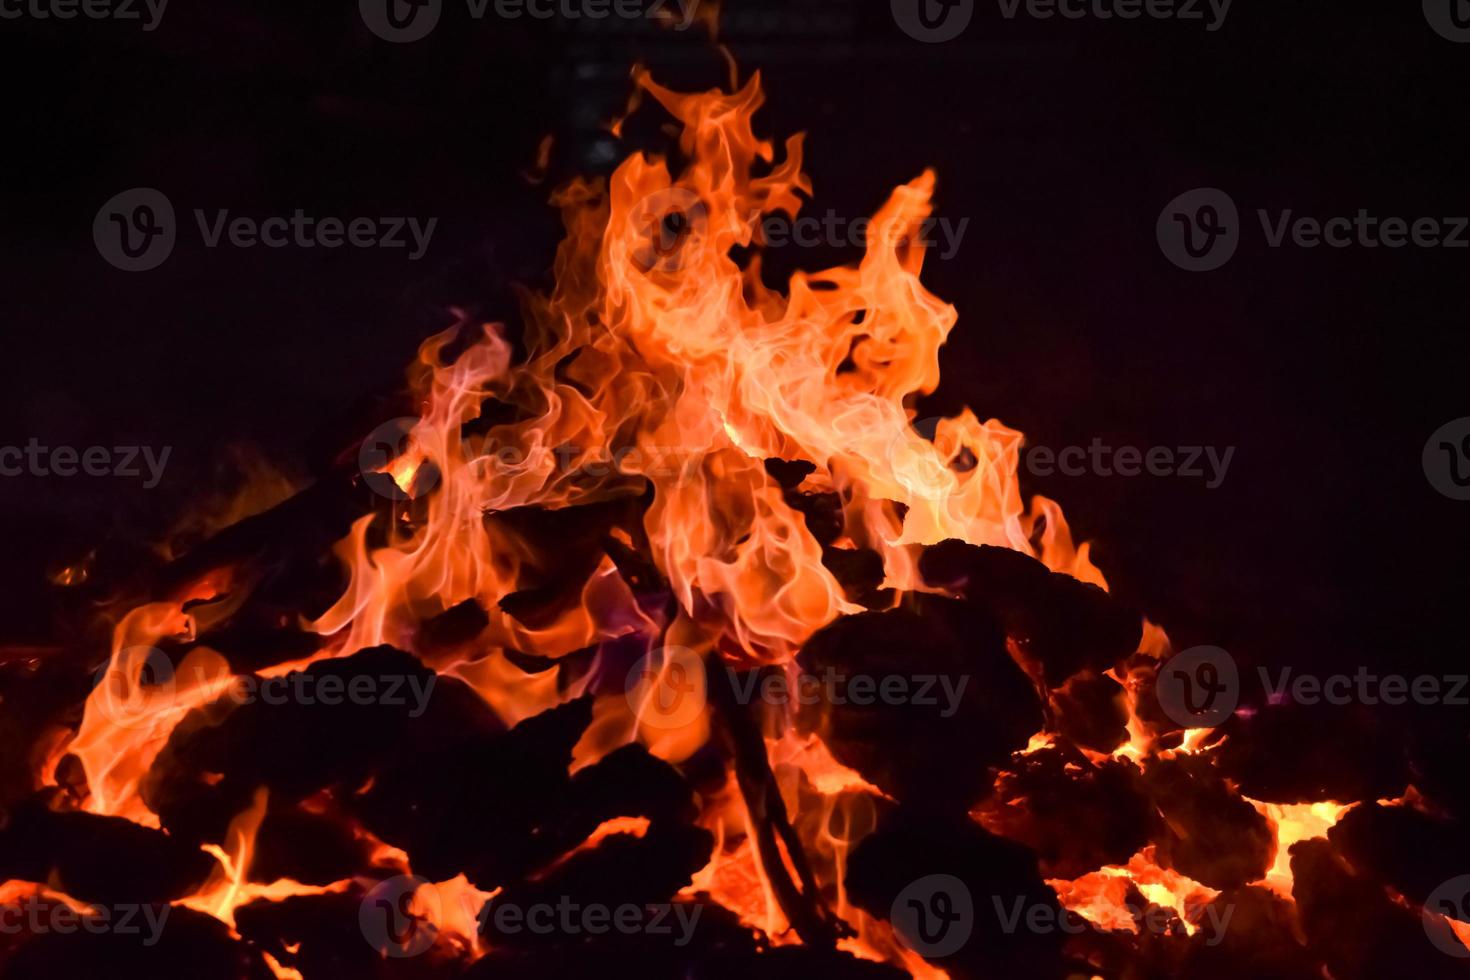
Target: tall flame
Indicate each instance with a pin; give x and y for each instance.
(661, 368)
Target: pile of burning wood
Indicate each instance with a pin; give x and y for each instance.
(659, 642)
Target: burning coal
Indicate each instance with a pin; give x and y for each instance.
(658, 641)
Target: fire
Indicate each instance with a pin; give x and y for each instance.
(663, 368)
(1102, 896)
(1295, 822)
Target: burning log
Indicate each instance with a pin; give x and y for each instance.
(1205, 830)
(97, 859)
(949, 878)
(960, 688)
(1058, 623)
(1336, 753)
(1092, 711)
(169, 944)
(775, 838)
(322, 937)
(1075, 816)
(1355, 929)
(634, 876)
(296, 746)
(1403, 847)
(1249, 932)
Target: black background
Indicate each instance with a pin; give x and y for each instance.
(1061, 141)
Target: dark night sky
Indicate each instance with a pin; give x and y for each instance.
(1061, 142)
